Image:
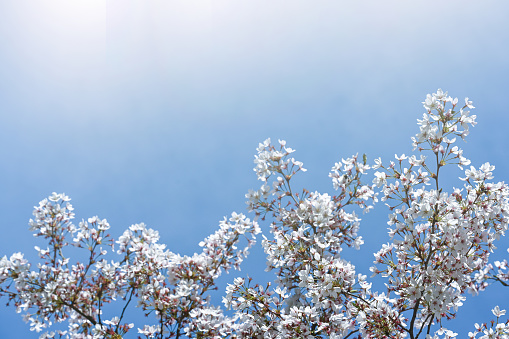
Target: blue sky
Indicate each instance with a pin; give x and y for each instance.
(150, 111)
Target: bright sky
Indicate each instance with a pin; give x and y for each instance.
(151, 111)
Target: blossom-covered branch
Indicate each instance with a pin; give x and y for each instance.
(439, 249)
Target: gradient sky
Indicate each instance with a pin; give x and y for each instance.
(151, 111)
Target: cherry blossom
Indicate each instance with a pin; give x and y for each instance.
(439, 250)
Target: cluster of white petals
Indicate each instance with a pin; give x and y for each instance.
(497, 330)
(171, 286)
(270, 159)
(441, 241)
(439, 249)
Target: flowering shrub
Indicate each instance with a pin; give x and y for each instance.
(439, 250)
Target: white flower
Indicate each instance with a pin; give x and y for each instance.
(497, 312)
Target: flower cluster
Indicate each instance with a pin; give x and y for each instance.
(440, 240)
(171, 286)
(318, 293)
(439, 249)
(496, 330)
